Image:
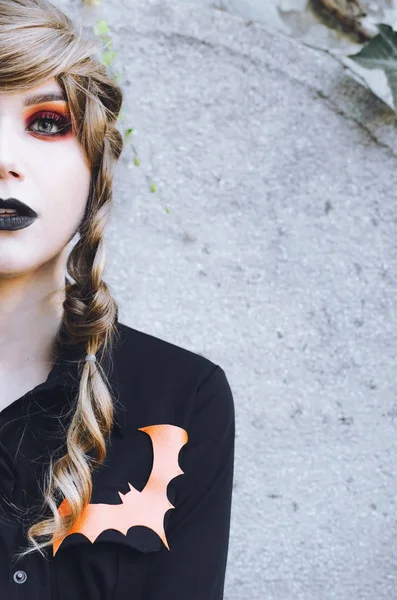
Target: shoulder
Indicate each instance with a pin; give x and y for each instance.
(154, 356)
(160, 382)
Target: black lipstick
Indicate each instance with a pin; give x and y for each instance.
(23, 217)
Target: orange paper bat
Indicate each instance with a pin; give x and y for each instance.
(147, 507)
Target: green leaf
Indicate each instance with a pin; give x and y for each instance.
(108, 57)
(128, 133)
(153, 187)
(101, 28)
(375, 65)
(167, 210)
(136, 161)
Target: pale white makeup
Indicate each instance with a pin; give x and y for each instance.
(48, 172)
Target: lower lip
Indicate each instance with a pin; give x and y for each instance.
(14, 223)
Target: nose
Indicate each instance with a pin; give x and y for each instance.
(9, 169)
(8, 172)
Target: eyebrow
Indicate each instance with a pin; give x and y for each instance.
(49, 97)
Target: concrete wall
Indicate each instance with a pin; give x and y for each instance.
(283, 170)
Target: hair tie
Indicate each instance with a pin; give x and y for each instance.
(90, 357)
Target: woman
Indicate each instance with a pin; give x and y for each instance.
(116, 447)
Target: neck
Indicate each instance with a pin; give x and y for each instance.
(30, 316)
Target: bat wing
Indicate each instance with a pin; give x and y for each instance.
(147, 507)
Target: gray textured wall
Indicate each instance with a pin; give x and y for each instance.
(284, 170)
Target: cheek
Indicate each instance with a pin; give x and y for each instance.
(62, 191)
(64, 188)
(70, 192)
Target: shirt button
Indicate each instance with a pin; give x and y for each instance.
(20, 577)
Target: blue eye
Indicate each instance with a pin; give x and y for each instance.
(50, 120)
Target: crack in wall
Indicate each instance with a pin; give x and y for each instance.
(315, 92)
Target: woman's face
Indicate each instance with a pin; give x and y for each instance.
(42, 165)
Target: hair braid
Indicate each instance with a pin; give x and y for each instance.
(90, 316)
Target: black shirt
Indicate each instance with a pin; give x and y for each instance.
(158, 522)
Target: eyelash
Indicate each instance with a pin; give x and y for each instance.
(62, 122)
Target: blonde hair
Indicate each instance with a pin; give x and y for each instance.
(39, 42)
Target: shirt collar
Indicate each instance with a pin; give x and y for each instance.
(64, 376)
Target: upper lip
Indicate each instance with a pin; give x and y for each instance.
(22, 208)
